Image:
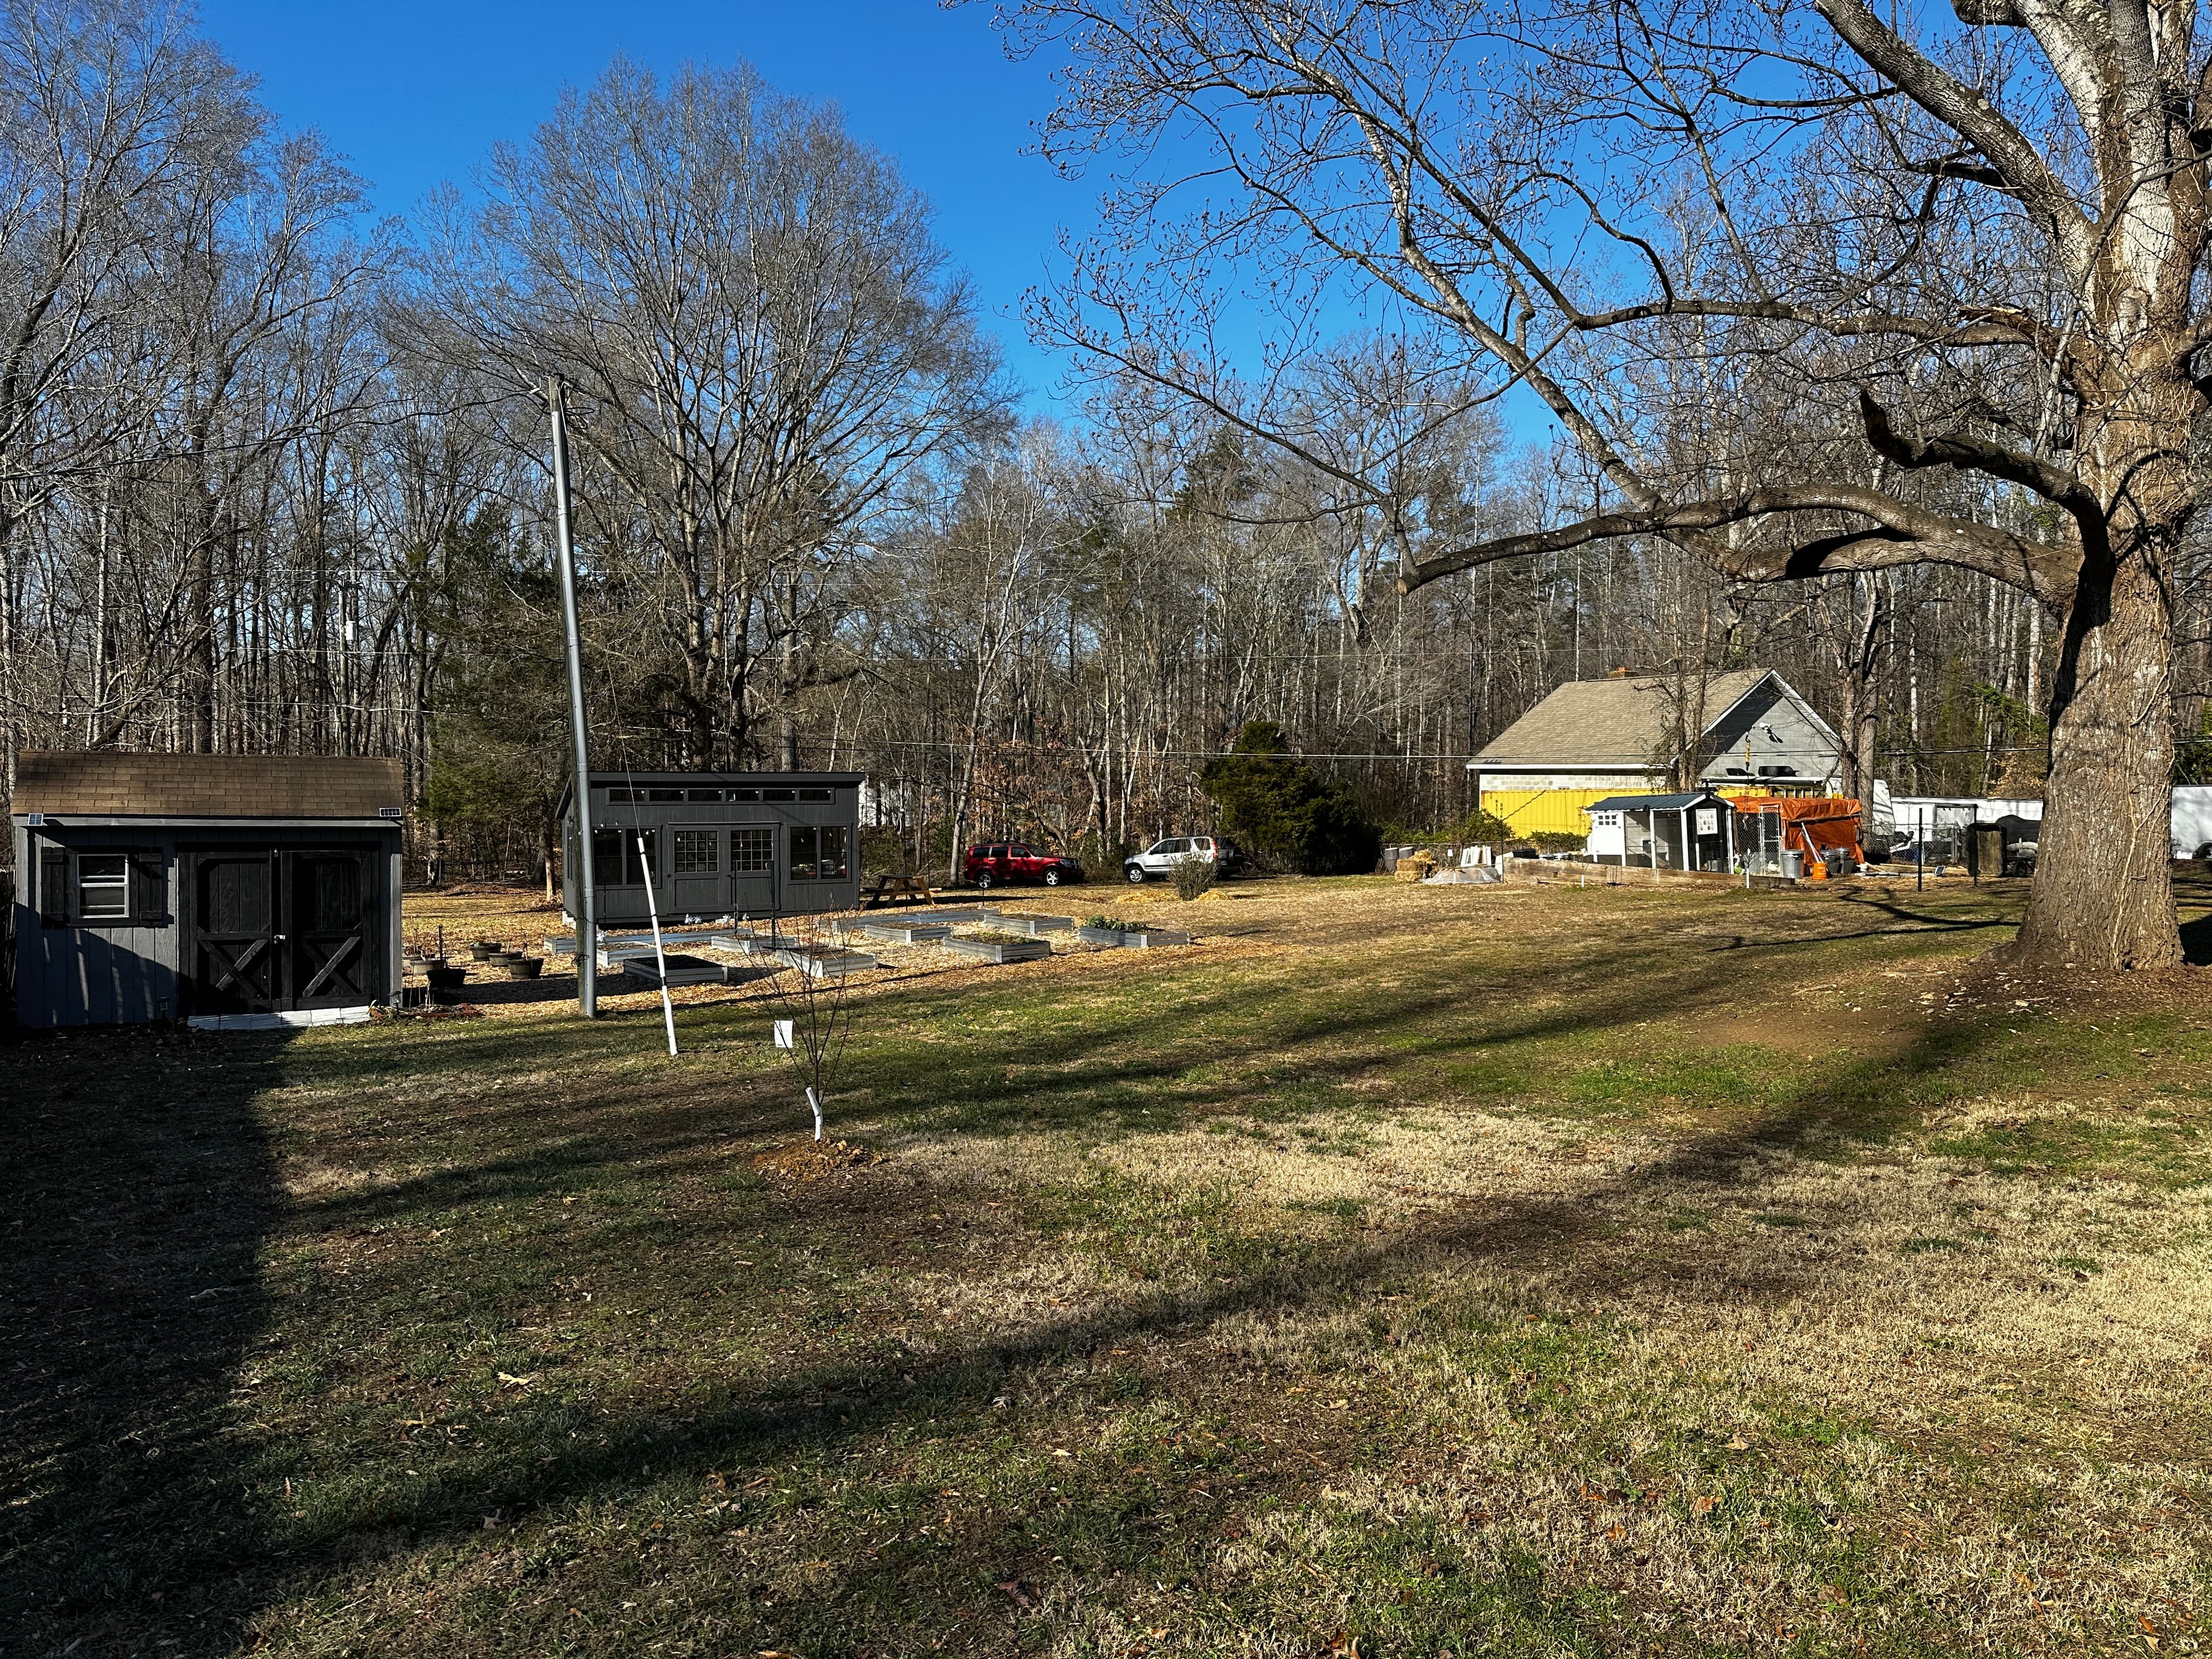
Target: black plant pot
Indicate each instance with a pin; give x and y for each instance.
(526, 967)
(447, 979)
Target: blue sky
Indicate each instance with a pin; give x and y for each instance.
(414, 93)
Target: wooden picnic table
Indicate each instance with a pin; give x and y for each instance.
(898, 890)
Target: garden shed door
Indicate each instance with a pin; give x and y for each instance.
(330, 941)
(233, 960)
(752, 848)
(270, 930)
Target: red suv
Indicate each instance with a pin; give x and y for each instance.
(1003, 862)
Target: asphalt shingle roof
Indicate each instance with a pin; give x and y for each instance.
(1612, 722)
(104, 783)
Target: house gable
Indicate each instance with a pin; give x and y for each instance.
(1771, 738)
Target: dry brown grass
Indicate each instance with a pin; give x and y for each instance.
(1504, 1271)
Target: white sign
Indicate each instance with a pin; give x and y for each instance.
(1709, 820)
(783, 1035)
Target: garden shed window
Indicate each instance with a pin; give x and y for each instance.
(103, 887)
(614, 856)
(752, 851)
(695, 851)
(817, 852)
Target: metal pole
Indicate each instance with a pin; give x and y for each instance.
(1920, 854)
(587, 908)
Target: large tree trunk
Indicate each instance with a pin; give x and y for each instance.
(2103, 881)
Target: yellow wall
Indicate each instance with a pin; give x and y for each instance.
(1528, 810)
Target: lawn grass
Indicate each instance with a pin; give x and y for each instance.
(1521, 1271)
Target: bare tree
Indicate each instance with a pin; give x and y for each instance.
(768, 345)
(107, 108)
(1967, 259)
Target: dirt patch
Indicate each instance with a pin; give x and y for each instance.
(811, 1160)
(1992, 983)
(431, 1011)
(1794, 1030)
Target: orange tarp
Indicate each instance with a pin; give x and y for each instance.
(1815, 825)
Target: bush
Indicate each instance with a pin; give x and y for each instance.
(1558, 840)
(1192, 874)
(1284, 812)
(1477, 828)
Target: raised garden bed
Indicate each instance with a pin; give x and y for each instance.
(911, 932)
(1018, 922)
(817, 963)
(755, 944)
(1001, 950)
(682, 970)
(1135, 940)
(564, 945)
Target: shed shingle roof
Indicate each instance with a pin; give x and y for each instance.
(1614, 722)
(107, 784)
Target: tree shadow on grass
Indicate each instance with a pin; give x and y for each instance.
(1117, 1069)
(141, 1190)
(829, 1410)
(138, 1282)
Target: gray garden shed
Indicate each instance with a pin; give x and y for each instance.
(257, 888)
(717, 843)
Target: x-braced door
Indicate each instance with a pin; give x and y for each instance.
(332, 940)
(236, 966)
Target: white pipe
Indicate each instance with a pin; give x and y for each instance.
(661, 956)
(815, 1101)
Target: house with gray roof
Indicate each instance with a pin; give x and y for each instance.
(1624, 735)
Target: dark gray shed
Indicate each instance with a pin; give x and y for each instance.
(257, 888)
(717, 843)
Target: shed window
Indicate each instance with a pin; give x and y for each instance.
(624, 797)
(704, 794)
(744, 794)
(662, 795)
(814, 794)
(752, 851)
(779, 794)
(817, 852)
(695, 852)
(614, 861)
(103, 887)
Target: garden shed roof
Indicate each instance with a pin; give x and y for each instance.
(108, 783)
(1655, 802)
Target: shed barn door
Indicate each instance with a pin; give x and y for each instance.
(331, 946)
(233, 964)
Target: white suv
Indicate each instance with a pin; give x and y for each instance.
(1160, 859)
